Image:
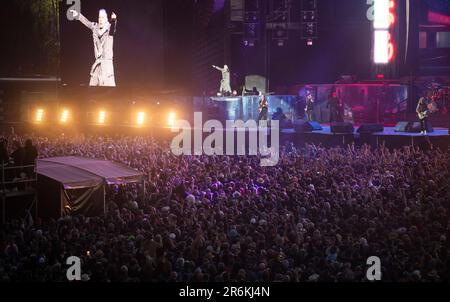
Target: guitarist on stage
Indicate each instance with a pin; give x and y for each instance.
(423, 112)
(263, 108)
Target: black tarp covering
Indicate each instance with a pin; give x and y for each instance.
(75, 185)
(88, 201)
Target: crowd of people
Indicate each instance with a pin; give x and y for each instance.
(316, 216)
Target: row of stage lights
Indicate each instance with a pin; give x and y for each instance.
(141, 117)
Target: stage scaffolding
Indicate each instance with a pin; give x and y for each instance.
(18, 182)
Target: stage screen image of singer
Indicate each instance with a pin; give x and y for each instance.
(112, 43)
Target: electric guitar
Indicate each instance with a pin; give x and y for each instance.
(423, 115)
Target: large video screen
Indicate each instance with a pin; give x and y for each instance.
(112, 43)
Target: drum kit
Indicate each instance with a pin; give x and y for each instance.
(439, 96)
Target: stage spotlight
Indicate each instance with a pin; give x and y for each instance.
(64, 116)
(101, 117)
(140, 118)
(381, 47)
(39, 115)
(171, 119)
(381, 14)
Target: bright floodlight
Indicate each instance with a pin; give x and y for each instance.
(64, 116)
(381, 47)
(101, 117)
(171, 119)
(381, 14)
(140, 118)
(39, 115)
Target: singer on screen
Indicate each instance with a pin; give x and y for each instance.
(102, 71)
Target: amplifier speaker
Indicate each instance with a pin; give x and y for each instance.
(401, 127)
(370, 128)
(342, 128)
(302, 126)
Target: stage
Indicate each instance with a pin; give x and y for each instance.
(440, 137)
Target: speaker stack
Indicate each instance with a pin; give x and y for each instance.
(412, 127)
(342, 128)
(370, 128)
(301, 126)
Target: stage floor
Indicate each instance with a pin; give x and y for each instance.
(388, 131)
(440, 137)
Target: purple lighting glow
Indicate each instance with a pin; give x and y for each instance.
(218, 5)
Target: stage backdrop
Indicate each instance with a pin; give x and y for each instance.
(363, 103)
